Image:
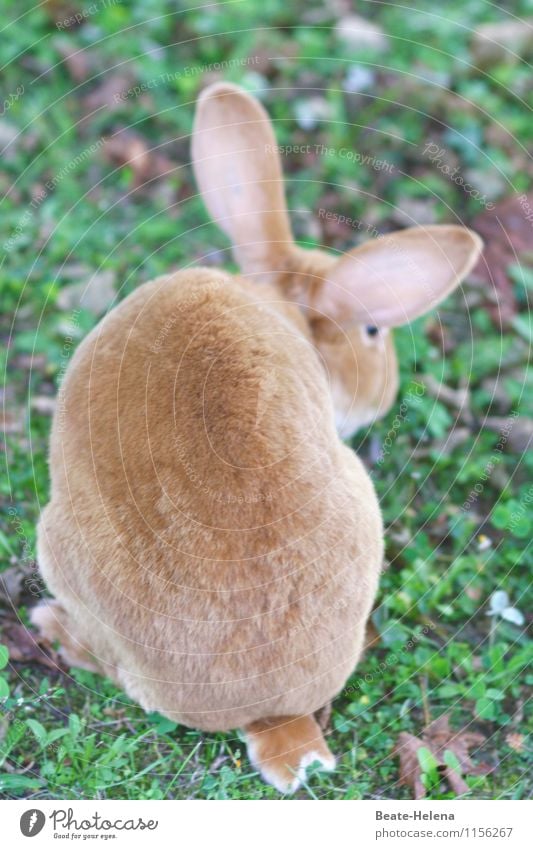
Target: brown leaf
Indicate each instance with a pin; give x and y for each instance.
(507, 234)
(13, 420)
(372, 636)
(94, 295)
(359, 34)
(43, 404)
(438, 737)
(323, 717)
(441, 737)
(9, 140)
(59, 10)
(11, 583)
(458, 399)
(504, 41)
(130, 149)
(518, 432)
(410, 774)
(25, 646)
(78, 61)
(515, 741)
(109, 93)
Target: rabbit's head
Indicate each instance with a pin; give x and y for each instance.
(351, 301)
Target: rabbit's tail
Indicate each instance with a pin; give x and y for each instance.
(283, 747)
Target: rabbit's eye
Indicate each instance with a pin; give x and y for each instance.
(372, 331)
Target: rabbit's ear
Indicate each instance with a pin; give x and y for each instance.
(238, 170)
(395, 278)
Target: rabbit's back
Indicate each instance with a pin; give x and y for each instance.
(221, 547)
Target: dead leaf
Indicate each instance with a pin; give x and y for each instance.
(445, 446)
(11, 583)
(372, 636)
(130, 149)
(61, 10)
(323, 717)
(13, 420)
(78, 61)
(517, 433)
(515, 742)
(29, 362)
(458, 399)
(25, 646)
(9, 134)
(504, 41)
(95, 296)
(116, 713)
(415, 211)
(410, 774)
(438, 737)
(109, 94)
(507, 234)
(474, 592)
(43, 404)
(359, 34)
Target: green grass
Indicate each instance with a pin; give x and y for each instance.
(77, 736)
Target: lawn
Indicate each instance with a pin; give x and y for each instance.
(426, 122)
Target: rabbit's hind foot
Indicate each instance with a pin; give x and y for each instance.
(282, 748)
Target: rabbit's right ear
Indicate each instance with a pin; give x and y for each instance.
(238, 171)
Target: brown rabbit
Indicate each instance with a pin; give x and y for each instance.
(211, 544)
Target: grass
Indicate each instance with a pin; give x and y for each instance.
(77, 736)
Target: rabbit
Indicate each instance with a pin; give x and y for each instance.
(211, 544)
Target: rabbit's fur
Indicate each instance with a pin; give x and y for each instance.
(211, 544)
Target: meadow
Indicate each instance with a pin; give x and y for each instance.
(425, 120)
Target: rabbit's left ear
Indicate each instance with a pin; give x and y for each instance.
(395, 278)
(238, 171)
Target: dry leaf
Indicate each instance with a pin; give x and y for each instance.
(323, 717)
(9, 134)
(109, 93)
(359, 34)
(518, 432)
(410, 773)
(60, 10)
(43, 404)
(507, 234)
(372, 636)
(94, 295)
(438, 737)
(12, 581)
(25, 646)
(13, 420)
(504, 41)
(78, 61)
(458, 399)
(515, 742)
(128, 148)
